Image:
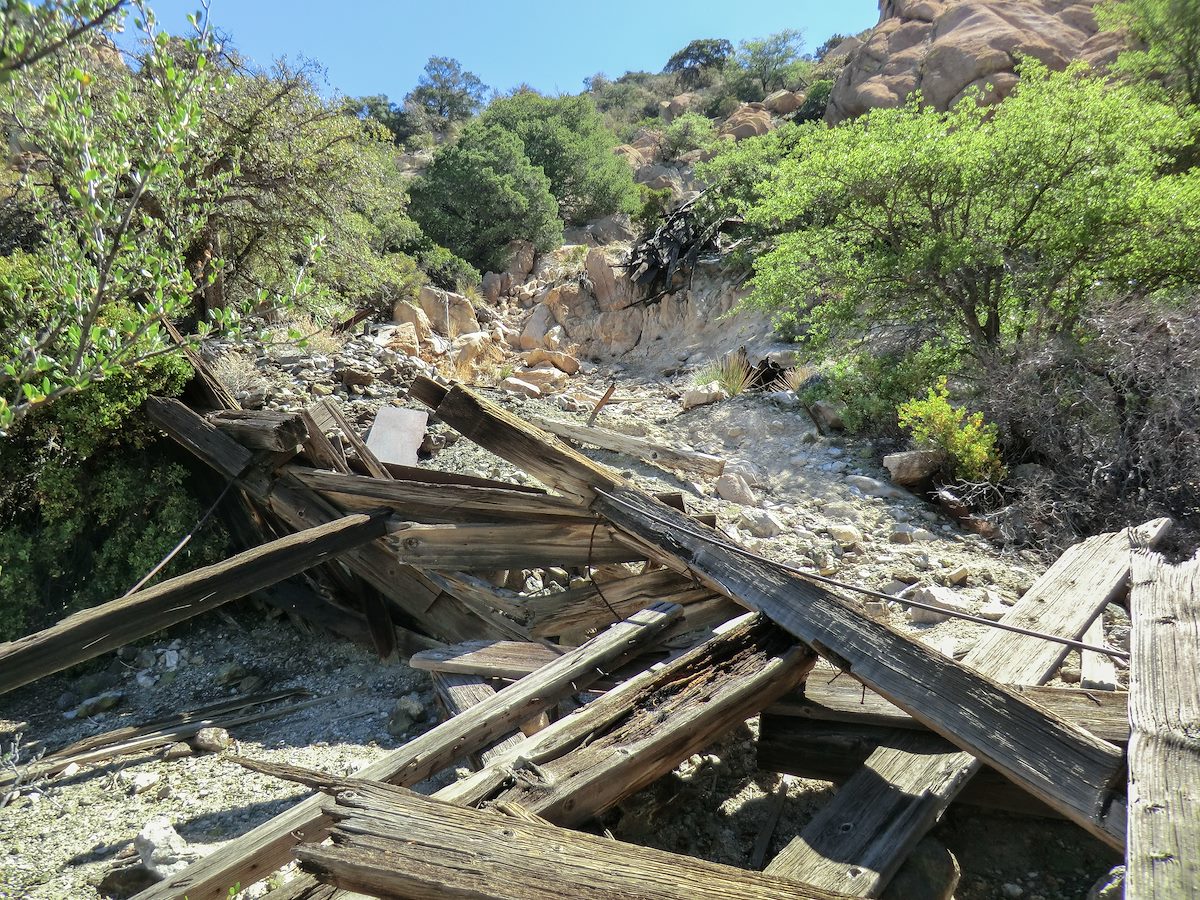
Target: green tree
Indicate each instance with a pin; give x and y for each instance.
(567, 138)
(981, 226)
(30, 32)
(695, 62)
(481, 192)
(769, 63)
(690, 131)
(1167, 36)
(447, 93)
(108, 140)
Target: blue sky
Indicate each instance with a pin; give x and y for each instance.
(376, 47)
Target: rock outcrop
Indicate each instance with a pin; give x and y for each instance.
(946, 49)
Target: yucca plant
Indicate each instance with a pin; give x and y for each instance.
(732, 372)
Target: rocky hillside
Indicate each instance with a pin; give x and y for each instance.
(945, 49)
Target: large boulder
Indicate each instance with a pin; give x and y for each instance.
(533, 335)
(670, 110)
(748, 120)
(783, 102)
(496, 284)
(658, 177)
(405, 313)
(631, 155)
(449, 314)
(948, 49)
(521, 255)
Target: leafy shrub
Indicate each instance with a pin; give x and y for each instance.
(653, 208)
(869, 386)
(963, 436)
(815, 101)
(690, 131)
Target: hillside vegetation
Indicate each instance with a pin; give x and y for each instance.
(1013, 284)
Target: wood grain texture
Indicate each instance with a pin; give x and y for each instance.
(693, 702)
(509, 545)
(262, 429)
(858, 841)
(459, 693)
(92, 632)
(417, 847)
(1163, 858)
(1061, 764)
(688, 461)
(212, 447)
(265, 848)
(1103, 713)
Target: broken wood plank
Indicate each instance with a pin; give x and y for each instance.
(508, 545)
(508, 858)
(216, 449)
(262, 429)
(689, 461)
(1103, 713)
(320, 449)
(92, 632)
(458, 693)
(898, 795)
(693, 702)
(1164, 745)
(595, 606)
(443, 503)
(437, 476)
(365, 456)
(1096, 670)
(1065, 766)
(264, 849)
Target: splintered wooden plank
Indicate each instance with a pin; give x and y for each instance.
(1164, 746)
(214, 448)
(689, 461)
(458, 693)
(92, 632)
(592, 607)
(693, 702)
(1097, 671)
(1065, 766)
(1103, 713)
(365, 456)
(509, 545)
(858, 840)
(467, 853)
(264, 849)
(426, 502)
(262, 429)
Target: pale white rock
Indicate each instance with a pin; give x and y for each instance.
(873, 487)
(958, 575)
(140, 782)
(545, 377)
(733, 487)
(933, 595)
(564, 362)
(704, 394)
(517, 386)
(163, 851)
(761, 523)
(846, 535)
(212, 740)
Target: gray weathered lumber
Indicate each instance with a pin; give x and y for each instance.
(442, 503)
(694, 701)
(898, 795)
(1103, 713)
(1097, 671)
(365, 456)
(458, 693)
(202, 438)
(262, 429)
(1163, 859)
(1065, 766)
(508, 545)
(689, 461)
(92, 632)
(466, 853)
(264, 849)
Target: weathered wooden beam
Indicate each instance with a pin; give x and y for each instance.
(694, 701)
(1164, 746)
(264, 849)
(508, 545)
(458, 694)
(262, 429)
(1065, 766)
(466, 853)
(442, 503)
(899, 794)
(92, 632)
(365, 456)
(594, 606)
(214, 448)
(689, 461)
(1097, 671)
(824, 699)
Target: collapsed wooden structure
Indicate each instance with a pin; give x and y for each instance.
(421, 553)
